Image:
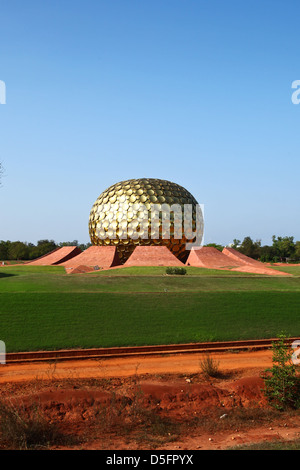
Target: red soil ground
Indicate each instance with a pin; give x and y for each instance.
(213, 413)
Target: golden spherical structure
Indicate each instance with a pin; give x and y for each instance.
(135, 212)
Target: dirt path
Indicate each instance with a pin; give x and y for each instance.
(125, 367)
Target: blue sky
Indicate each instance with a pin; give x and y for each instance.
(196, 92)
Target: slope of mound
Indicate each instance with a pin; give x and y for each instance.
(101, 256)
(80, 269)
(58, 256)
(152, 256)
(209, 257)
(250, 265)
(228, 259)
(241, 259)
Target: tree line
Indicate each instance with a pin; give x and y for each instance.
(283, 249)
(28, 251)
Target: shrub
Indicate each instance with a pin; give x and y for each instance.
(210, 367)
(176, 270)
(282, 385)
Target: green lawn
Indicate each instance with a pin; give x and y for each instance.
(43, 308)
(54, 279)
(295, 270)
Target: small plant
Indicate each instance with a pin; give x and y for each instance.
(281, 382)
(210, 367)
(176, 270)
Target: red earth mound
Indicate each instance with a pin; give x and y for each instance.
(240, 258)
(209, 257)
(80, 270)
(58, 256)
(228, 259)
(250, 265)
(70, 397)
(103, 257)
(249, 390)
(152, 256)
(172, 397)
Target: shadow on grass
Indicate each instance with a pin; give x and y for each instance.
(6, 275)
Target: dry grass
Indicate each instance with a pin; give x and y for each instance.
(210, 367)
(23, 429)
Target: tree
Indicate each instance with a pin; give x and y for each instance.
(297, 250)
(250, 248)
(73, 243)
(267, 253)
(215, 245)
(4, 250)
(44, 247)
(236, 243)
(84, 246)
(284, 247)
(18, 251)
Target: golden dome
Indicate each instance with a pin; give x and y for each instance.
(123, 216)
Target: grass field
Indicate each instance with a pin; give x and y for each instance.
(43, 308)
(295, 270)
